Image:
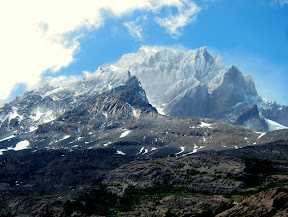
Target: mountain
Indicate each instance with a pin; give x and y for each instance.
(177, 83)
(196, 84)
(99, 147)
(120, 118)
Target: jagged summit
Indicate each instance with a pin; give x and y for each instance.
(193, 83)
(115, 108)
(178, 83)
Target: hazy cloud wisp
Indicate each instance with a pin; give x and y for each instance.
(135, 29)
(187, 13)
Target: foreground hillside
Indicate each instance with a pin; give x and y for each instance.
(100, 182)
(99, 146)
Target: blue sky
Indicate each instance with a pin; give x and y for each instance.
(253, 35)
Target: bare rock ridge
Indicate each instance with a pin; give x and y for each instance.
(123, 119)
(177, 83)
(268, 203)
(196, 84)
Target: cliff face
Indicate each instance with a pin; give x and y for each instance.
(124, 119)
(196, 84)
(267, 203)
(177, 83)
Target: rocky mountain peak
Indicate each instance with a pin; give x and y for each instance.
(180, 83)
(209, 89)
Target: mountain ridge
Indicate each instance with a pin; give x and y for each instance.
(167, 75)
(113, 101)
(193, 81)
(123, 119)
(98, 147)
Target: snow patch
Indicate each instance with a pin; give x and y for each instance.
(141, 150)
(197, 148)
(160, 111)
(9, 137)
(135, 113)
(14, 114)
(205, 125)
(182, 150)
(65, 137)
(114, 68)
(120, 152)
(272, 125)
(124, 134)
(48, 117)
(21, 145)
(262, 134)
(33, 128)
(36, 115)
(53, 91)
(105, 114)
(106, 144)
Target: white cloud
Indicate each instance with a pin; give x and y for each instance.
(37, 36)
(277, 3)
(282, 2)
(187, 13)
(135, 29)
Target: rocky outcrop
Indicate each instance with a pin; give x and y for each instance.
(194, 172)
(101, 182)
(266, 203)
(108, 110)
(178, 83)
(249, 117)
(195, 84)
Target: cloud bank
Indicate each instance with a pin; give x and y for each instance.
(37, 36)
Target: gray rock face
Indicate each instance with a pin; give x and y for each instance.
(48, 102)
(250, 118)
(194, 172)
(178, 83)
(269, 203)
(196, 84)
(123, 119)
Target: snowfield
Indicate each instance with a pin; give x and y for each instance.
(124, 134)
(19, 146)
